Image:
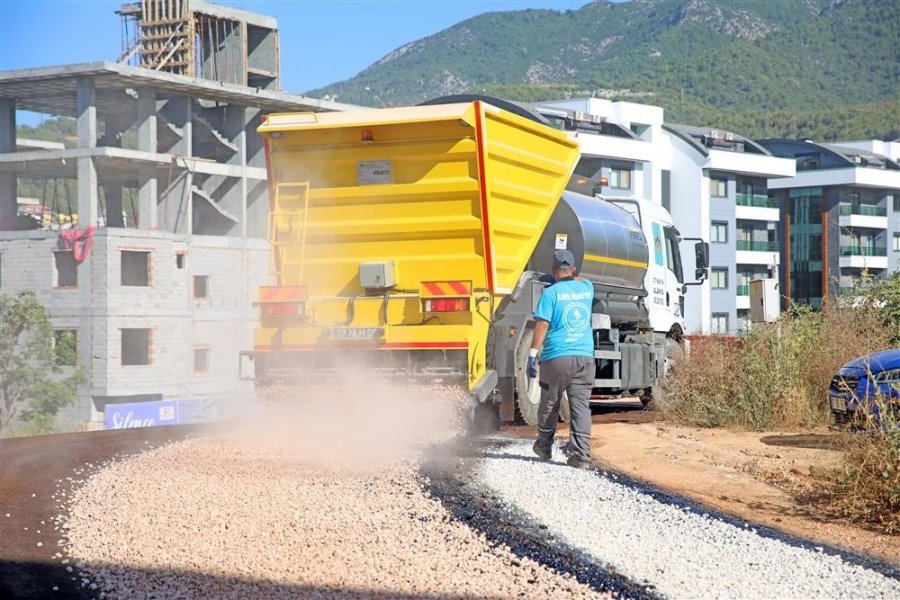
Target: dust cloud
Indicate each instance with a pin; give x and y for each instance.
(363, 421)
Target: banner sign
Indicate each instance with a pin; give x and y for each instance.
(172, 412)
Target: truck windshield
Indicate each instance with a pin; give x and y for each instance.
(673, 254)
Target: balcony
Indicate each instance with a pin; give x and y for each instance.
(743, 290)
(863, 251)
(757, 200)
(863, 257)
(757, 246)
(863, 215)
(756, 207)
(863, 209)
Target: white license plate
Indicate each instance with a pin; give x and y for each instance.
(838, 404)
(355, 333)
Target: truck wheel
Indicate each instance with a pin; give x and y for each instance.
(527, 410)
(662, 393)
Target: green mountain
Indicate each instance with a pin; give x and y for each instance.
(824, 69)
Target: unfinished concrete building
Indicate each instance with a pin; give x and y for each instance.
(156, 268)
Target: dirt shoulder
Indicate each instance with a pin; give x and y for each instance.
(751, 476)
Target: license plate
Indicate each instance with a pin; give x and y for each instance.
(838, 404)
(355, 333)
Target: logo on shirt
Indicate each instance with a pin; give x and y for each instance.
(576, 318)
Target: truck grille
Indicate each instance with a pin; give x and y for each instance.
(844, 383)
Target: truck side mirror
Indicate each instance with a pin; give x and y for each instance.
(701, 256)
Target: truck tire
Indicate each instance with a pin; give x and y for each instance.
(661, 393)
(527, 410)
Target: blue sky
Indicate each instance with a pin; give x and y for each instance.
(322, 42)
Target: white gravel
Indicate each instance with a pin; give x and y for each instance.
(682, 553)
(291, 507)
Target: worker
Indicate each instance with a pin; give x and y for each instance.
(564, 340)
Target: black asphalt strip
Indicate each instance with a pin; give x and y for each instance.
(448, 472)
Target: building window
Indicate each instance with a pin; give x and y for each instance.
(66, 269)
(718, 278)
(135, 347)
(135, 268)
(620, 178)
(897, 242)
(201, 360)
(743, 320)
(180, 259)
(718, 188)
(201, 286)
(718, 323)
(718, 232)
(65, 347)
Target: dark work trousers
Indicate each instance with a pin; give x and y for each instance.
(575, 376)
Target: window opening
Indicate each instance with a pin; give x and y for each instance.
(135, 347)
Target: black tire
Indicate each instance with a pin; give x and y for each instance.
(527, 410)
(662, 393)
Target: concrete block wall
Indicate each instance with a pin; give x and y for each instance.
(223, 322)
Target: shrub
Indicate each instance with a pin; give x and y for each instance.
(775, 376)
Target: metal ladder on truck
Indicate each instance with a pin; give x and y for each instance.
(287, 232)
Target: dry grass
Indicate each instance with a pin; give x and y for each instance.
(776, 378)
(866, 489)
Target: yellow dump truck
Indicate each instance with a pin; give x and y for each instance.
(402, 239)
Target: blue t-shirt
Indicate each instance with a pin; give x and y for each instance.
(566, 305)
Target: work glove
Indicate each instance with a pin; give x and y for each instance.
(532, 369)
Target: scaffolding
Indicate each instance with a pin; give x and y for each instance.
(199, 40)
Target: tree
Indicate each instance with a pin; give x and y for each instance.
(33, 384)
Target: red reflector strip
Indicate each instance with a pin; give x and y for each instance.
(446, 288)
(459, 288)
(280, 309)
(447, 305)
(433, 288)
(282, 294)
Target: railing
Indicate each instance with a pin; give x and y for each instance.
(759, 200)
(757, 246)
(850, 291)
(743, 290)
(863, 251)
(863, 209)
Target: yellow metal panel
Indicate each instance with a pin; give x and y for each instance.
(458, 192)
(527, 167)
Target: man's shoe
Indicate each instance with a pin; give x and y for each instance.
(542, 453)
(579, 462)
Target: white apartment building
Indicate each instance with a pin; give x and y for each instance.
(842, 215)
(713, 182)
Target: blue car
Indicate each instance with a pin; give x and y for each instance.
(858, 382)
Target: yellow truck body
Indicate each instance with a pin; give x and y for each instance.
(446, 203)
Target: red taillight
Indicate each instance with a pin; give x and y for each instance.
(277, 309)
(446, 304)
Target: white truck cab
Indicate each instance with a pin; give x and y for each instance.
(664, 280)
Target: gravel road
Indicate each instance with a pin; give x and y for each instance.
(292, 507)
(677, 553)
(325, 494)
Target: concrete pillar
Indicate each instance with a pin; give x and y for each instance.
(147, 185)
(112, 192)
(180, 111)
(86, 124)
(8, 182)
